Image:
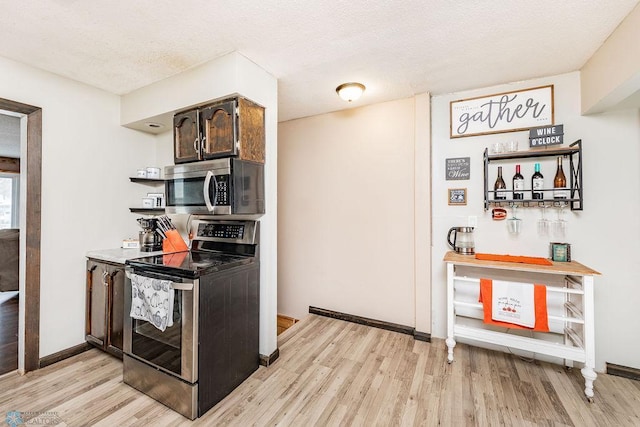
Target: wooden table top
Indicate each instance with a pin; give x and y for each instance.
(572, 267)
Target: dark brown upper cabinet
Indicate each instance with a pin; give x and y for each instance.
(230, 128)
(186, 137)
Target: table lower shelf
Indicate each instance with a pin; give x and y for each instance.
(535, 345)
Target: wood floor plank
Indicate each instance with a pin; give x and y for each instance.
(337, 416)
(334, 373)
(298, 394)
(411, 405)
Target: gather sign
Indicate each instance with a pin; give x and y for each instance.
(502, 112)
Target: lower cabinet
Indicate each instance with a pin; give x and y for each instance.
(105, 305)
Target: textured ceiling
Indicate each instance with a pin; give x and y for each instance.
(397, 49)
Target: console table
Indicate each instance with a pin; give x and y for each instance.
(569, 284)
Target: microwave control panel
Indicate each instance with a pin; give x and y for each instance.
(222, 190)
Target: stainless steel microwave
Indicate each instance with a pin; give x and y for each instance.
(226, 186)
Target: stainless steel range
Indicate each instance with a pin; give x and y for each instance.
(210, 341)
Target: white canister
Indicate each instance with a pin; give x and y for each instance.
(148, 202)
(142, 173)
(153, 173)
(158, 199)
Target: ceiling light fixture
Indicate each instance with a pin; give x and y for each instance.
(350, 91)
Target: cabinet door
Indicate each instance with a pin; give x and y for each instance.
(186, 137)
(218, 124)
(116, 310)
(96, 313)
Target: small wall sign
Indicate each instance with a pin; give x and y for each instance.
(457, 196)
(560, 252)
(546, 135)
(458, 168)
(502, 112)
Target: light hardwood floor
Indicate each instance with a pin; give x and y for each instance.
(332, 372)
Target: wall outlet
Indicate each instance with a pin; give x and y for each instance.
(472, 221)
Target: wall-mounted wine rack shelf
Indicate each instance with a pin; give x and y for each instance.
(575, 200)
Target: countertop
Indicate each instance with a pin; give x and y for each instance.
(571, 267)
(119, 255)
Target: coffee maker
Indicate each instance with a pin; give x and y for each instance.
(150, 239)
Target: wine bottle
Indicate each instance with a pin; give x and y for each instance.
(537, 183)
(500, 185)
(559, 182)
(518, 184)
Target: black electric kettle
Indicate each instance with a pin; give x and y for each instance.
(462, 240)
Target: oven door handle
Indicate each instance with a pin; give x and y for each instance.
(186, 286)
(207, 184)
(182, 286)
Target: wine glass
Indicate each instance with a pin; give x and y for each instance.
(560, 224)
(543, 223)
(514, 224)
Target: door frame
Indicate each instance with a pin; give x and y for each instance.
(31, 291)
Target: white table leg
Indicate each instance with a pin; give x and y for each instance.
(589, 338)
(589, 377)
(451, 342)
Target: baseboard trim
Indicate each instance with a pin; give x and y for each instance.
(394, 327)
(64, 354)
(267, 361)
(422, 336)
(623, 371)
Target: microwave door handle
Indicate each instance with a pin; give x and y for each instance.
(207, 184)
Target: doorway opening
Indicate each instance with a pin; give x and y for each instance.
(10, 146)
(30, 168)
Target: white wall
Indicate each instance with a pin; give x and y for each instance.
(612, 74)
(603, 236)
(87, 158)
(346, 212)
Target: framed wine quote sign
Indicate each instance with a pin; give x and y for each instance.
(502, 112)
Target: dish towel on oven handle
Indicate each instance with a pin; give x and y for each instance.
(514, 304)
(152, 300)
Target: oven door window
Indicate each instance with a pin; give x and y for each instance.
(163, 349)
